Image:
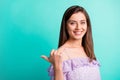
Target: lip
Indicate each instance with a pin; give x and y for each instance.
(77, 32)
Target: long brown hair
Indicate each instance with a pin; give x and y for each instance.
(87, 41)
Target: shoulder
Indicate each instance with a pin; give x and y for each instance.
(62, 50)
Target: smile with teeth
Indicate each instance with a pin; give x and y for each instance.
(78, 32)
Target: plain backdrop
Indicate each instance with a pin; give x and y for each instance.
(30, 28)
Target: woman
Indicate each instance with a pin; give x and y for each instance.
(75, 58)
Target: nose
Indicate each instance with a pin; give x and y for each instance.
(78, 26)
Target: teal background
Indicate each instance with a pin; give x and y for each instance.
(30, 28)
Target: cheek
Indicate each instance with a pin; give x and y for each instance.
(85, 28)
(70, 28)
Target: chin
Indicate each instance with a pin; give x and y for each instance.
(78, 38)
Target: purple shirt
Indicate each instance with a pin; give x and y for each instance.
(78, 69)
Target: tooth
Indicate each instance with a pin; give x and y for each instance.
(77, 32)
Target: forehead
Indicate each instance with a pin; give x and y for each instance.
(78, 16)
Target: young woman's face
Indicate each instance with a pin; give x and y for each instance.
(77, 26)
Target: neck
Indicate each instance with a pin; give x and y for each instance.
(74, 43)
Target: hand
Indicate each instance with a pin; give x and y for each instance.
(55, 58)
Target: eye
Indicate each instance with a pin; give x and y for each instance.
(83, 23)
(72, 23)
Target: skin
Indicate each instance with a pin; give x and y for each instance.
(76, 27)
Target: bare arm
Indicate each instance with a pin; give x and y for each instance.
(56, 59)
(58, 74)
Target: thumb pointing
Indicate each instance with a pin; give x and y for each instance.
(45, 57)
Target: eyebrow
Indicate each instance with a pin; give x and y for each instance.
(74, 20)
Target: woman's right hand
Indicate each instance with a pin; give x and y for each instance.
(55, 58)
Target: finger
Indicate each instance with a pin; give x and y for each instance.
(45, 57)
(51, 53)
(59, 52)
(55, 52)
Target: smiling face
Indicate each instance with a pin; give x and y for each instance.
(77, 26)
